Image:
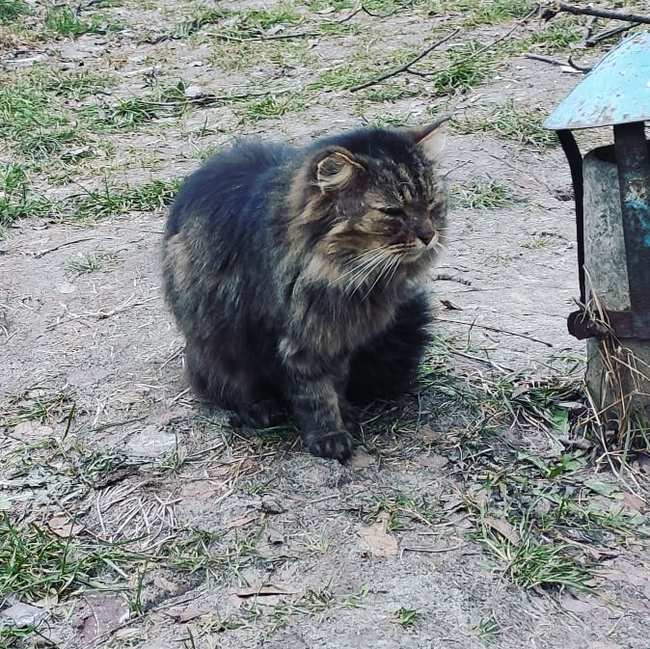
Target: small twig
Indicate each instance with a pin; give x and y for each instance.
(497, 330)
(407, 66)
(47, 251)
(564, 64)
(556, 7)
(608, 33)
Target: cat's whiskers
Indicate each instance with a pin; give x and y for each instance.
(366, 273)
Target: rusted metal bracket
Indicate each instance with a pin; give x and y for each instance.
(622, 324)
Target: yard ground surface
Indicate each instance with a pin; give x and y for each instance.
(479, 511)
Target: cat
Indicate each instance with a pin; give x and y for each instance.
(297, 275)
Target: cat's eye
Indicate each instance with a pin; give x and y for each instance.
(392, 211)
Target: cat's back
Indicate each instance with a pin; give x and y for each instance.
(224, 186)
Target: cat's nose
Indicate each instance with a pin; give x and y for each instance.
(425, 233)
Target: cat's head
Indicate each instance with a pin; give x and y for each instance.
(373, 200)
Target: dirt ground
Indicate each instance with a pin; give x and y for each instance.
(476, 512)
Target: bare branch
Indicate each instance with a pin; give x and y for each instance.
(557, 7)
(405, 68)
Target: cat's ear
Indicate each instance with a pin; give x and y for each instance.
(334, 169)
(431, 140)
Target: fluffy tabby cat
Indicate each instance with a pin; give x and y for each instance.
(296, 275)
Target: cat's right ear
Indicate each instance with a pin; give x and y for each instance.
(335, 168)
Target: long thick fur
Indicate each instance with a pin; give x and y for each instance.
(388, 365)
(296, 276)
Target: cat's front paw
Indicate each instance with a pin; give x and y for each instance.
(336, 445)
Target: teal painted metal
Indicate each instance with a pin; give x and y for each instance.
(616, 91)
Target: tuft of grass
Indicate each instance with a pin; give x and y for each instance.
(343, 77)
(530, 563)
(259, 20)
(75, 85)
(487, 629)
(114, 201)
(36, 405)
(391, 93)
(91, 262)
(524, 126)
(10, 10)
(406, 617)
(559, 35)
(466, 69)
(17, 201)
(481, 194)
(65, 22)
(198, 20)
(131, 112)
(324, 5)
(271, 106)
(35, 563)
(492, 12)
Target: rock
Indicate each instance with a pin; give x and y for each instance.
(151, 442)
(22, 615)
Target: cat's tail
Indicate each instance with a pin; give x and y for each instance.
(388, 365)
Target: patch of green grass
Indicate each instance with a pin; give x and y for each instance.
(35, 563)
(91, 262)
(530, 563)
(271, 106)
(237, 56)
(521, 125)
(492, 12)
(481, 194)
(406, 617)
(487, 629)
(131, 112)
(401, 508)
(17, 201)
(36, 405)
(13, 635)
(32, 121)
(323, 5)
(559, 35)
(387, 121)
(198, 20)
(114, 201)
(344, 76)
(63, 21)
(259, 20)
(538, 243)
(75, 85)
(466, 69)
(391, 93)
(10, 10)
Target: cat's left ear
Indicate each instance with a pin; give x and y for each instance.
(335, 167)
(431, 140)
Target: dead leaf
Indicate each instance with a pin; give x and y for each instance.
(265, 590)
(361, 459)
(65, 528)
(634, 502)
(101, 614)
(504, 528)
(376, 541)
